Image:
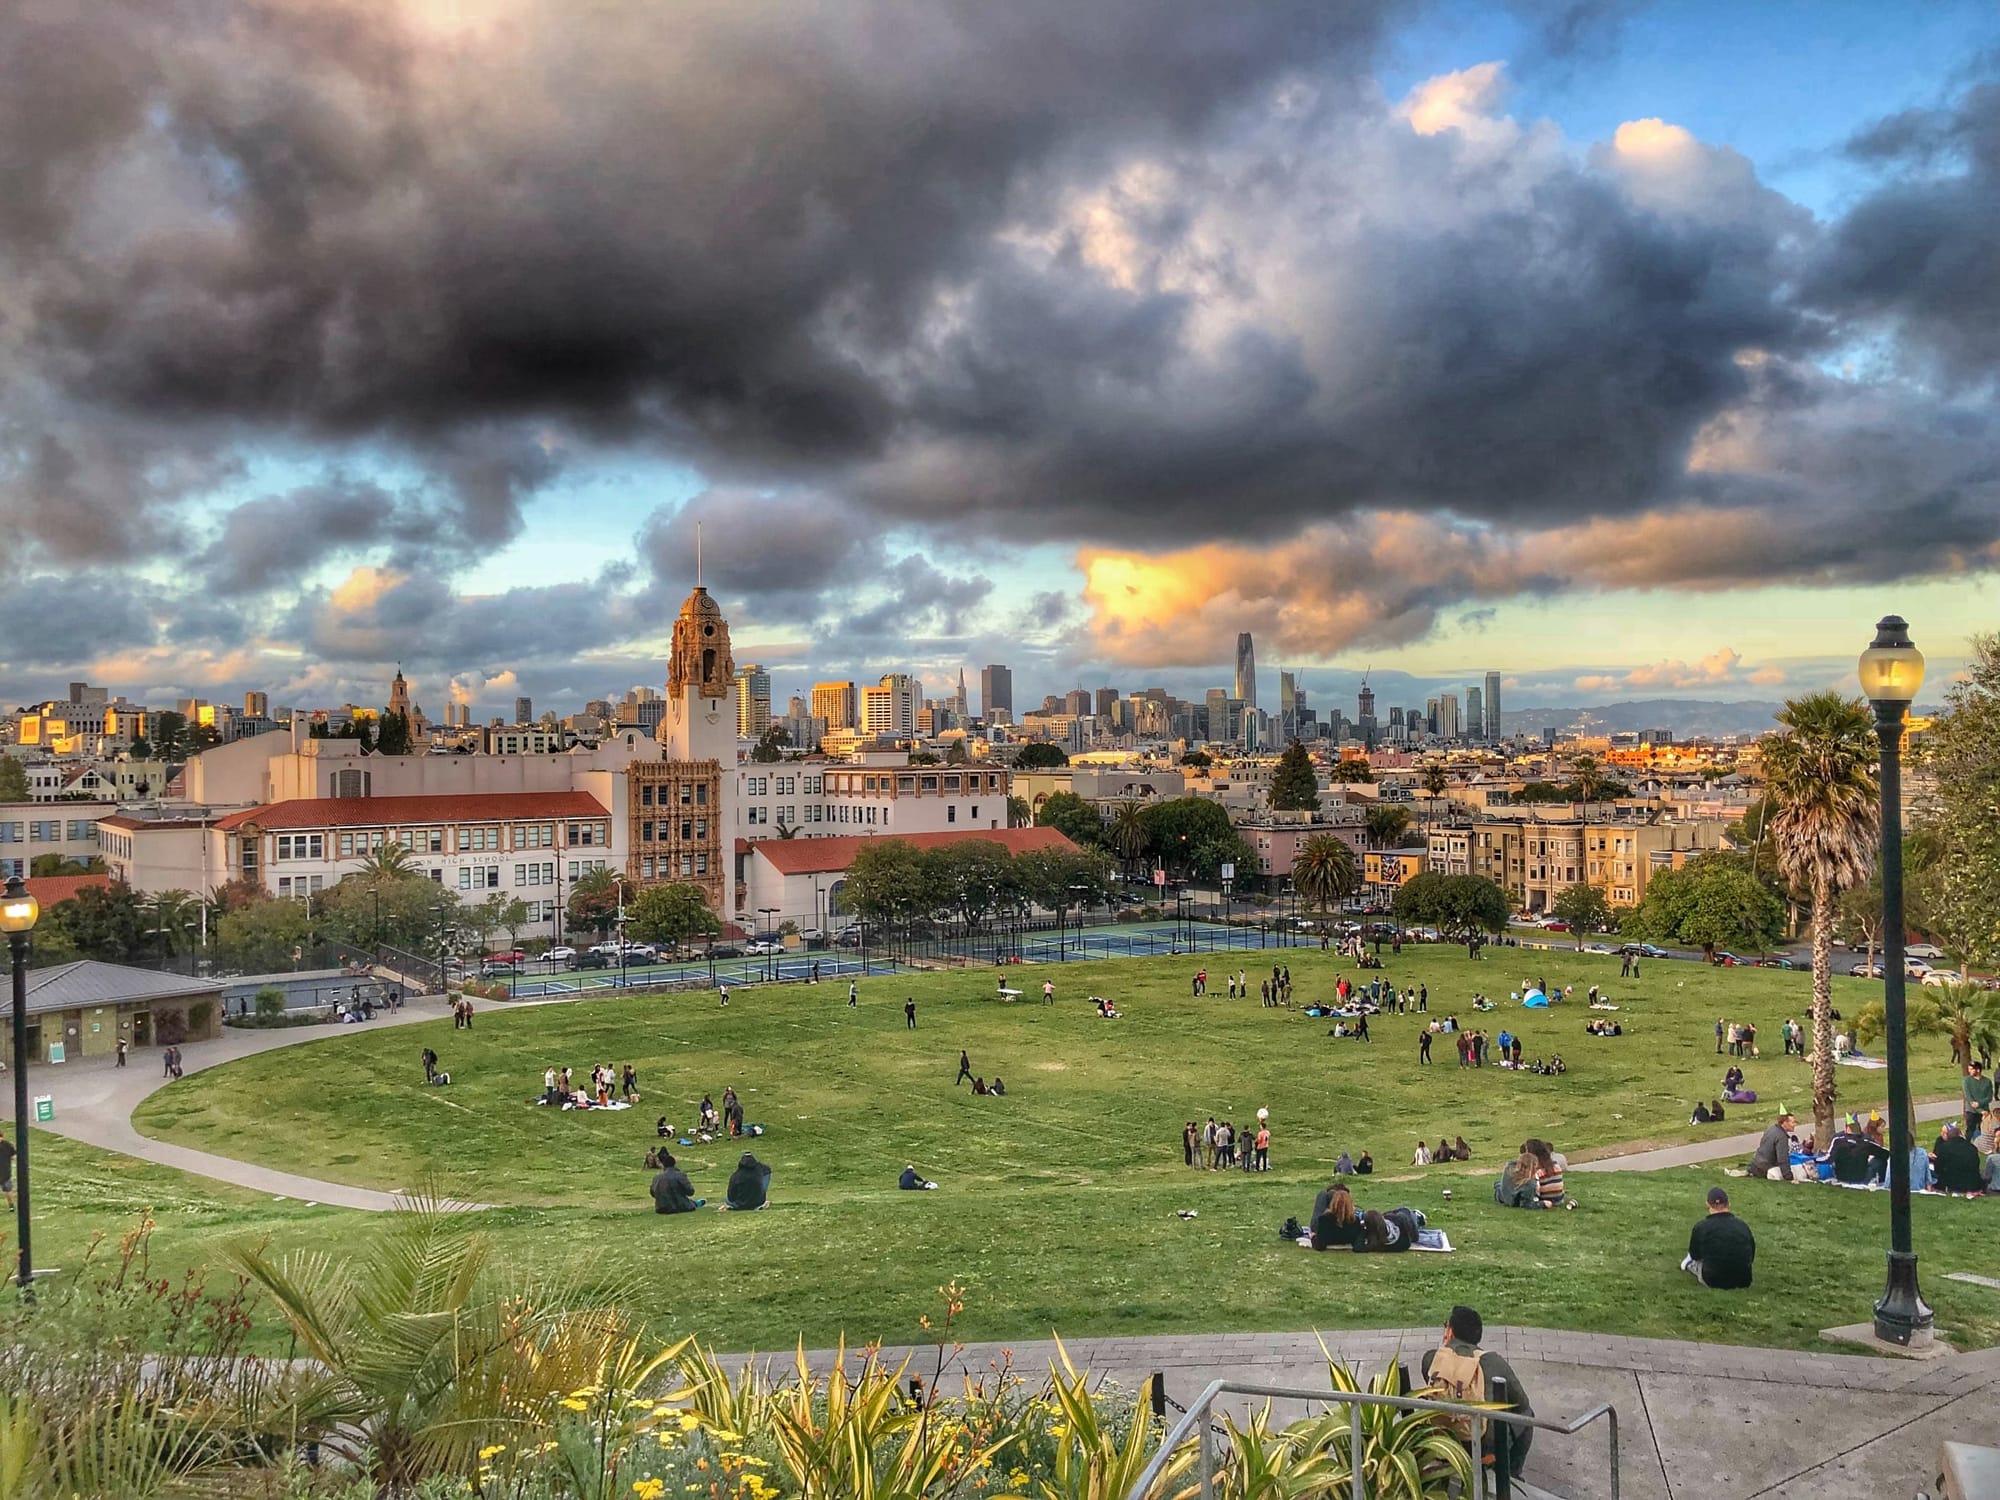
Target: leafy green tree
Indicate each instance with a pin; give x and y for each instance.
(593, 903)
(1585, 907)
(1958, 890)
(108, 923)
(1062, 880)
(141, 749)
(170, 735)
(1019, 814)
(484, 918)
(397, 738)
(44, 865)
(925, 758)
(1074, 818)
(1192, 836)
(1712, 902)
(1460, 907)
(955, 754)
(13, 780)
(1353, 770)
(1542, 791)
(1294, 782)
(261, 938)
(392, 861)
(671, 913)
(771, 745)
(887, 885)
(972, 878)
(1197, 760)
(1386, 823)
(1820, 769)
(366, 909)
(1859, 920)
(175, 917)
(1040, 755)
(1325, 872)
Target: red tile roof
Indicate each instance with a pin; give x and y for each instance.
(380, 812)
(53, 890)
(826, 856)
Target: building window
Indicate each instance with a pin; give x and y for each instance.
(687, 864)
(951, 812)
(646, 795)
(701, 864)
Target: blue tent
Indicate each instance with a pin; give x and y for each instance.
(1535, 998)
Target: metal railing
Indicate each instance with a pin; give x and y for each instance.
(1199, 1418)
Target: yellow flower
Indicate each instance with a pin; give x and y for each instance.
(572, 1404)
(649, 1489)
(486, 1453)
(690, 1420)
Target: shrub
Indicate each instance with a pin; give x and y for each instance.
(270, 1002)
(170, 1026)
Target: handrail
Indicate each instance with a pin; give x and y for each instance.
(1199, 1414)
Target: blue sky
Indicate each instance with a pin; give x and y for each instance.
(1433, 338)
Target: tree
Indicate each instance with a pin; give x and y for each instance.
(925, 758)
(397, 737)
(1585, 907)
(13, 780)
(771, 745)
(955, 754)
(1128, 830)
(1820, 769)
(1542, 791)
(1437, 781)
(175, 917)
(1060, 880)
(1752, 833)
(108, 923)
(593, 903)
(672, 913)
(1712, 902)
(391, 862)
(1041, 756)
(141, 750)
(1860, 917)
(887, 884)
(1386, 823)
(45, 865)
(1295, 784)
(1197, 760)
(484, 918)
(367, 909)
(1070, 815)
(1460, 907)
(170, 735)
(1191, 836)
(264, 936)
(972, 878)
(1353, 769)
(1325, 872)
(1019, 814)
(1959, 891)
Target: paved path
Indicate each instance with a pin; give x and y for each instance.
(1695, 1420)
(94, 1100)
(1721, 1148)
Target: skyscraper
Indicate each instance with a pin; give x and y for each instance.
(890, 708)
(256, 705)
(1364, 719)
(958, 708)
(1447, 716)
(1493, 707)
(996, 690)
(753, 702)
(524, 710)
(1475, 714)
(1246, 670)
(834, 702)
(1288, 706)
(1104, 702)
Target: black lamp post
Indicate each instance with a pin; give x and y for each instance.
(18, 911)
(1892, 670)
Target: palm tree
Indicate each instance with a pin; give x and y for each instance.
(175, 914)
(1437, 781)
(1324, 872)
(1820, 771)
(1128, 830)
(1958, 1010)
(1385, 823)
(390, 862)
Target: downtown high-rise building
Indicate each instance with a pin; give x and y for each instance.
(837, 703)
(1475, 713)
(890, 707)
(1447, 716)
(1364, 719)
(1493, 707)
(1104, 702)
(753, 702)
(996, 691)
(524, 710)
(1246, 671)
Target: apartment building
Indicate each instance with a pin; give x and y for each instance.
(29, 830)
(1534, 860)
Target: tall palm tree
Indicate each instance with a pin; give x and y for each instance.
(1820, 770)
(174, 916)
(390, 862)
(1324, 872)
(1958, 1009)
(1385, 823)
(1128, 830)
(1436, 781)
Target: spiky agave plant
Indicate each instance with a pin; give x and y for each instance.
(1404, 1455)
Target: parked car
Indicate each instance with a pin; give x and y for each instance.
(813, 937)
(1724, 960)
(1644, 950)
(725, 950)
(560, 958)
(1777, 961)
(491, 967)
(852, 936)
(1553, 924)
(1923, 950)
(759, 947)
(596, 958)
(1596, 947)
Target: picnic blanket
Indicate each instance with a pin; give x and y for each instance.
(1856, 1060)
(1434, 1240)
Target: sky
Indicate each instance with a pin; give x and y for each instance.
(1631, 350)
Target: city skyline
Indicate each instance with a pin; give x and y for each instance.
(1647, 350)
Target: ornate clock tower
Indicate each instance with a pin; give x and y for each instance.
(700, 721)
(681, 809)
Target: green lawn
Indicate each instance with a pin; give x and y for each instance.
(1058, 1205)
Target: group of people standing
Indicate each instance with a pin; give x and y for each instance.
(559, 1088)
(1219, 1147)
(1740, 1037)
(1385, 997)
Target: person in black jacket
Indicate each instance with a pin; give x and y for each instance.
(1956, 1167)
(1855, 1158)
(1721, 1250)
(749, 1184)
(671, 1190)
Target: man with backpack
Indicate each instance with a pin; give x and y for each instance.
(1459, 1370)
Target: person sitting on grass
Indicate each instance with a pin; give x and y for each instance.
(1701, 1116)
(671, 1190)
(1335, 1224)
(1364, 1164)
(979, 1086)
(749, 1185)
(1422, 1157)
(913, 1181)
(1773, 1157)
(1721, 1250)
(1460, 1150)
(662, 1129)
(1515, 1187)
(1956, 1164)
(998, 1087)
(1856, 1160)
(1549, 1166)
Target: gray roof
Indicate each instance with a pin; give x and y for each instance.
(88, 983)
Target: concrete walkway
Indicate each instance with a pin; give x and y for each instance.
(1720, 1149)
(1694, 1420)
(94, 1099)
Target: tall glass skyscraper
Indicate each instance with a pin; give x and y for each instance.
(1493, 707)
(1246, 671)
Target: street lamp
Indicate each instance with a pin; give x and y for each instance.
(619, 881)
(1892, 670)
(18, 911)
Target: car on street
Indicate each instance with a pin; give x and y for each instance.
(813, 937)
(1724, 960)
(1923, 950)
(759, 947)
(1644, 950)
(641, 953)
(1912, 968)
(1596, 948)
(596, 958)
(852, 936)
(1553, 924)
(560, 958)
(1777, 961)
(725, 950)
(491, 967)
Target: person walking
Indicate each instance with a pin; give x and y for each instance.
(1721, 1250)
(723, 990)
(964, 1069)
(166, 1062)
(1718, 1036)
(853, 994)
(121, 1052)
(1424, 1047)
(430, 1060)
(910, 1013)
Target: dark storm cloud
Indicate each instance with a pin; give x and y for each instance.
(286, 536)
(1920, 257)
(46, 619)
(777, 549)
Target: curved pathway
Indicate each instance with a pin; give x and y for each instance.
(94, 1103)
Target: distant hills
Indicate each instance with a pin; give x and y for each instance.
(1686, 717)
